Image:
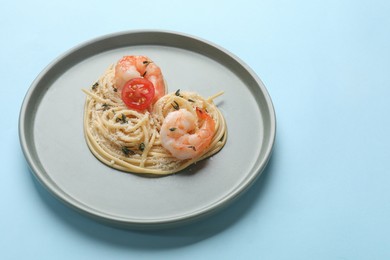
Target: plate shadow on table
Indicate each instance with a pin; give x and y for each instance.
(158, 239)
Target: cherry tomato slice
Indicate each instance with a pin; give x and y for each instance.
(138, 93)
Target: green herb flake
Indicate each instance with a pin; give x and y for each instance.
(123, 119)
(105, 106)
(175, 105)
(192, 147)
(126, 150)
(177, 93)
(190, 100)
(141, 146)
(94, 86)
(172, 129)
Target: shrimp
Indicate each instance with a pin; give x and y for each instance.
(130, 67)
(181, 135)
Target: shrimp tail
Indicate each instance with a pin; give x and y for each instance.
(209, 123)
(201, 113)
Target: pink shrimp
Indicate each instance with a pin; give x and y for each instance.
(181, 135)
(130, 67)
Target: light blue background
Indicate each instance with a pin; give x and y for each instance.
(325, 194)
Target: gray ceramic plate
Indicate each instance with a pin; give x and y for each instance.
(51, 132)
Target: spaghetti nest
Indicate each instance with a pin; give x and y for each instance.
(130, 141)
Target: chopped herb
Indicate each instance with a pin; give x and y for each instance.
(105, 106)
(115, 90)
(123, 120)
(143, 75)
(172, 129)
(127, 151)
(192, 147)
(94, 86)
(177, 93)
(147, 62)
(190, 100)
(175, 105)
(142, 146)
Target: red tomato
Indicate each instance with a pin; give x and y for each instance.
(138, 93)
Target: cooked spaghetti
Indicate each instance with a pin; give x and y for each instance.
(145, 142)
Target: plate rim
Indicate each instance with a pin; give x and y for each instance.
(139, 223)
